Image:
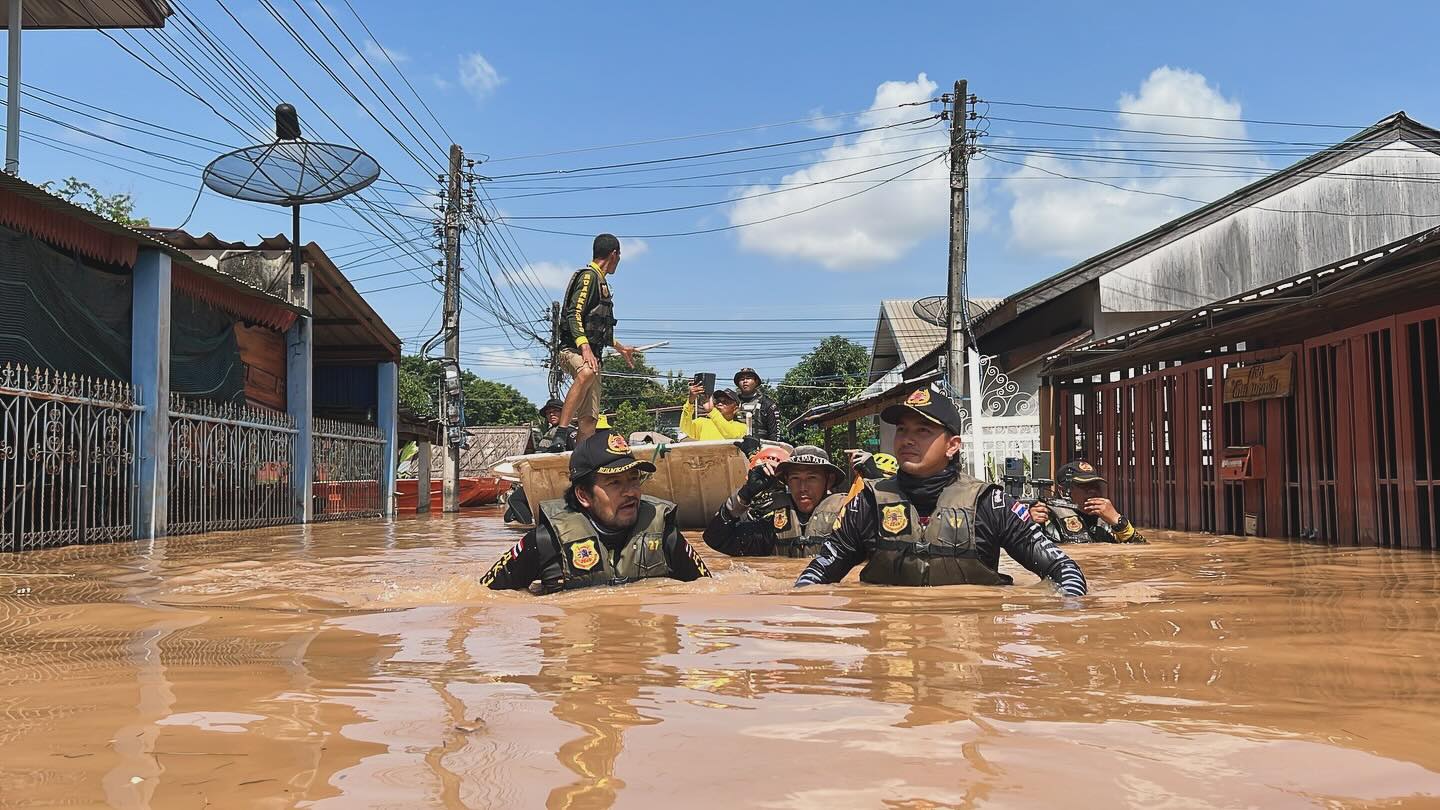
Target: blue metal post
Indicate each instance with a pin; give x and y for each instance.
(150, 373)
(387, 418)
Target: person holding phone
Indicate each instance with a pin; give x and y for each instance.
(719, 423)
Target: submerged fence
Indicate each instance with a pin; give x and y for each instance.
(67, 447)
(229, 467)
(348, 459)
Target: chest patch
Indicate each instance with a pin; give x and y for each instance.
(584, 555)
(1074, 524)
(894, 519)
(782, 519)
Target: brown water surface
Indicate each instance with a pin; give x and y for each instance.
(359, 665)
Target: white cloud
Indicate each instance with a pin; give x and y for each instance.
(634, 247)
(379, 53)
(549, 275)
(869, 229)
(820, 122)
(440, 82)
(1073, 219)
(478, 76)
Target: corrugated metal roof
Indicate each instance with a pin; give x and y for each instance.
(89, 14)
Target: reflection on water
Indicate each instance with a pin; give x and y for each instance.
(359, 665)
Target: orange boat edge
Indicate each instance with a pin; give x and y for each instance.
(474, 491)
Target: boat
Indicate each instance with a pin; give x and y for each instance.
(474, 491)
(697, 476)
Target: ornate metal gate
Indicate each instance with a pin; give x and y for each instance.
(347, 470)
(229, 467)
(1008, 423)
(67, 446)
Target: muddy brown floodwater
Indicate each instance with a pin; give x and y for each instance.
(359, 665)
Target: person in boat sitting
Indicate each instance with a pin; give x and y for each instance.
(808, 479)
(931, 524)
(603, 532)
(1081, 513)
(553, 439)
(719, 423)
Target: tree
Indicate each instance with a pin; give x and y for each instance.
(834, 370)
(115, 207)
(486, 402)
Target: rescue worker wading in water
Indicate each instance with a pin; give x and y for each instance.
(603, 532)
(1082, 513)
(805, 507)
(931, 524)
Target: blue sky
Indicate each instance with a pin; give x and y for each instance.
(511, 80)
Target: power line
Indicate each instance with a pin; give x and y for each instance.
(1170, 115)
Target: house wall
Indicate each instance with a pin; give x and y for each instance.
(1256, 245)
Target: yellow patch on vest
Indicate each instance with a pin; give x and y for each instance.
(782, 519)
(1074, 524)
(920, 397)
(583, 555)
(835, 527)
(894, 519)
(617, 443)
(653, 543)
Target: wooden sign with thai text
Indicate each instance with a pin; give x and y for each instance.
(1268, 380)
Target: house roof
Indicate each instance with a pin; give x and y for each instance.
(903, 338)
(90, 14)
(485, 447)
(1396, 127)
(45, 216)
(1304, 304)
(346, 326)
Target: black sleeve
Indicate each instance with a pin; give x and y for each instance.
(770, 417)
(685, 564)
(582, 289)
(1003, 522)
(519, 566)
(740, 537)
(844, 548)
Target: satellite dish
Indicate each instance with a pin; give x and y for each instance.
(932, 310)
(292, 172)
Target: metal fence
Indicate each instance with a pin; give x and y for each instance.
(229, 467)
(347, 470)
(67, 447)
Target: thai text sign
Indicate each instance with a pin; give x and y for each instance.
(1260, 380)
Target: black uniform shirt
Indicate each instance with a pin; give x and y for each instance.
(537, 556)
(1000, 522)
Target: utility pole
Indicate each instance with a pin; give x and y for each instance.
(450, 374)
(957, 348)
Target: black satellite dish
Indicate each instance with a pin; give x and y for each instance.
(291, 172)
(932, 310)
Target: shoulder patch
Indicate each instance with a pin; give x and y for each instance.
(1021, 510)
(997, 497)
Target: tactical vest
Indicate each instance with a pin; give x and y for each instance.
(1072, 526)
(599, 313)
(793, 540)
(940, 553)
(586, 562)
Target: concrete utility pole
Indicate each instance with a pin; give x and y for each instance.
(12, 90)
(450, 375)
(957, 349)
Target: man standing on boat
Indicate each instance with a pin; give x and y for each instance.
(603, 532)
(587, 328)
(807, 508)
(932, 524)
(757, 409)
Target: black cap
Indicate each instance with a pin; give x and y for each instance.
(605, 453)
(552, 404)
(930, 404)
(1077, 472)
(746, 372)
(808, 455)
(727, 392)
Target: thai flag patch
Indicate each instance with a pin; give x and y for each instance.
(1021, 510)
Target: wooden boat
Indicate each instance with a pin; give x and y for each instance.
(474, 491)
(696, 476)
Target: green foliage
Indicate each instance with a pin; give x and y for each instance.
(115, 207)
(835, 369)
(486, 402)
(627, 398)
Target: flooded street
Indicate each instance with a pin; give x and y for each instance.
(359, 665)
